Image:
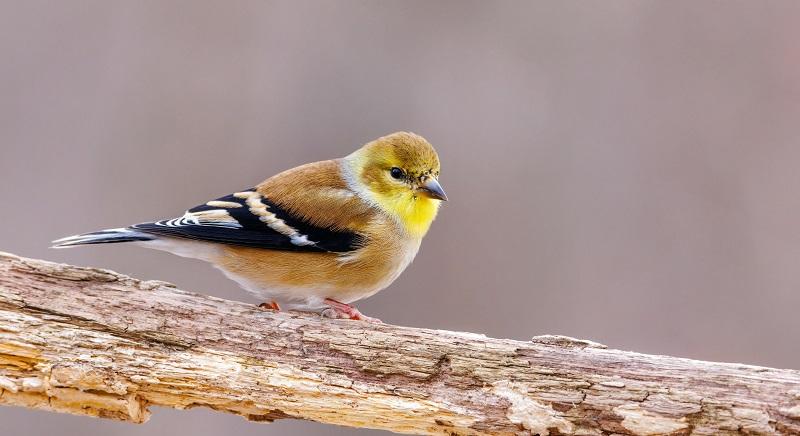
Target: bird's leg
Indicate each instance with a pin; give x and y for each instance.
(348, 311)
(271, 305)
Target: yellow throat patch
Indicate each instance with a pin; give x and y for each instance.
(415, 211)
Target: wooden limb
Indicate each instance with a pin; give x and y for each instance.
(94, 342)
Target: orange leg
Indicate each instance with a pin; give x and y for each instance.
(349, 311)
(271, 305)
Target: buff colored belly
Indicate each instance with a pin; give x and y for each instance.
(303, 280)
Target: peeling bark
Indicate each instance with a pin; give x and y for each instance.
(94, 342)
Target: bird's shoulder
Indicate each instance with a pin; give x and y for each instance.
(318, 193)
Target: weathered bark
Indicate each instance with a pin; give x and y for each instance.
(94, 342)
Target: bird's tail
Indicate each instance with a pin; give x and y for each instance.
(108, 236)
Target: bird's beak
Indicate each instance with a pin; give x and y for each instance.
(433, 189)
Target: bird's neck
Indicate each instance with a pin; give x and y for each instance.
(412, 211)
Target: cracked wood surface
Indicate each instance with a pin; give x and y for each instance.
(94, 342)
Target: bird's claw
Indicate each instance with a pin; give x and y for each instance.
(272, 305)
(342, 310)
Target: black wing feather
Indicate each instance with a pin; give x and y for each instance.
(249, 231)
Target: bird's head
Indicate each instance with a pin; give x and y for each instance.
(399, 173)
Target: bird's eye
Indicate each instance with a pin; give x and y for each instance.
(397, 173)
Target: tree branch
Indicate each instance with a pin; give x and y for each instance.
(94, 342)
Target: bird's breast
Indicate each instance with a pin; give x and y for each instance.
(382, 259)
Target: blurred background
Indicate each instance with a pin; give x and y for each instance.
(624, 171)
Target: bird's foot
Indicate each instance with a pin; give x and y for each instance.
(341, 310)
(273, 305)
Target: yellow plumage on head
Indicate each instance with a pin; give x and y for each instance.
(415, 163)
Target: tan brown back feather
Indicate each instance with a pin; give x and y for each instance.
(317, 193)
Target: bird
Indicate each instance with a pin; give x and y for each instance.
(313, 238)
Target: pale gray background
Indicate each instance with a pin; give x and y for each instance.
(621, 171)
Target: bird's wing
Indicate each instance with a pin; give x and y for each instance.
(308, 208)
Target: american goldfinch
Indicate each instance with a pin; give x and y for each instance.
(313, 238)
